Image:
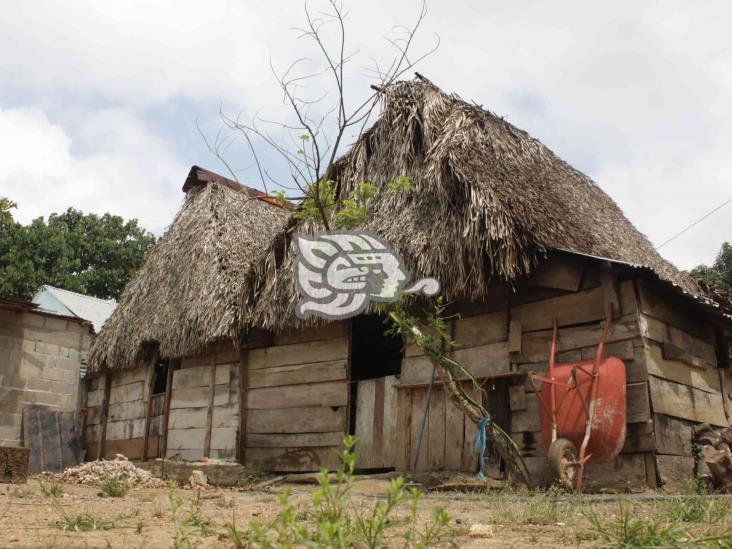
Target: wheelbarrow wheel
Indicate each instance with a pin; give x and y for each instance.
(562, 458)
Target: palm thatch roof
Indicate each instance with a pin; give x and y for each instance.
(186, 294)
(488, 202)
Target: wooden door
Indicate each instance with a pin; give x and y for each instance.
(376, 411)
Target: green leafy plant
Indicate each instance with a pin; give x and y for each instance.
(333, 520)
(629, 530)
(189, 527)
(113, 488)
(79, 522)
(53, 489)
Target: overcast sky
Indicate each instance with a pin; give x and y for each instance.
(99, 100)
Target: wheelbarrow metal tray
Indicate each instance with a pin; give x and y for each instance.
(607, 435)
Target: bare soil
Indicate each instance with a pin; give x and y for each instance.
(143, 517)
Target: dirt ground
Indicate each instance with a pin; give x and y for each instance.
(507, 518)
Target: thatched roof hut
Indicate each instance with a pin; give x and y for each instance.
(489, 200)
(186, 294)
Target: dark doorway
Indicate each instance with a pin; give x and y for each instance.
(376, 360)
(161, 377)
(373, 353)
(498, 405)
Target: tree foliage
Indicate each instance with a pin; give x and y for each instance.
(86, 253)
(719, 275)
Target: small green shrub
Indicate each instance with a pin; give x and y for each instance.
(630, 531)
(79, 522)
(53, 490)
(693, 509)
(333, 520)
(113, 488)
(189, 527)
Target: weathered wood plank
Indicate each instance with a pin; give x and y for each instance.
(312, 419)
(482, 329)
(704, 379)
(536, 345)
(334, 393)
(104, 414)
(675, 472)
(419, 399)
(517, 398)
(639, 438)
(298, 374)
(454, 433)
(299, 353)
(200, 376)
(127, 392)
(673, 435)
(639, 406)
(576, 308)
(403, 451)
(436, 449)
(628, 299)
(185, 439)
(674, 399)
(332, 330)
(659, 303)
(627, 472)
(528, 418)
(469, 457)
(559, 272)
(389, 432)
(296, 440)
(293, 459)
(197, 397)
(365, 435)
(131, 448)
(189, 418)
(515, 333)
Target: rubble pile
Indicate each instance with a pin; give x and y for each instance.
(119, 469)
(714, 447)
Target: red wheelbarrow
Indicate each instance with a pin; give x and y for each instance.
(582, 405)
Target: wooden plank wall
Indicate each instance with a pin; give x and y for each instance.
(376, 415)
(296, 400)
(578, 295)
(194, 430)
(125, 416)
(447, 444)
(685, 383)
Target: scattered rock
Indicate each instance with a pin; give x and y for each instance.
(120, 469)
(481, 531)
(198, 479)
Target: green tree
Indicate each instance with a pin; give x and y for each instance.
(719, 275)
(87, 253)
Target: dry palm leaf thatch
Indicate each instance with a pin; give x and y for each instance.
(488, 201)
(186, 294)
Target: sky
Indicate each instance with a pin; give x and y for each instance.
(100, 100)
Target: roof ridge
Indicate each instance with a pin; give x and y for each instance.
(85, 296)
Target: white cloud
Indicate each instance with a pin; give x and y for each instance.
(127, 170)
(635, 94)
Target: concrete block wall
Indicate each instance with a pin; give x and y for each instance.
(40, 358)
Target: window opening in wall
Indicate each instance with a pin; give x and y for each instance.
(161, 377)
(373, 353)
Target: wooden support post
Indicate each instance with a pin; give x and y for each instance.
(148, 412)
(209, 413)
(105, 412)
(163, 448)
(514, 336)
(610, 294)
(243, 381)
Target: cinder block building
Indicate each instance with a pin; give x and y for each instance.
(41, 357)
